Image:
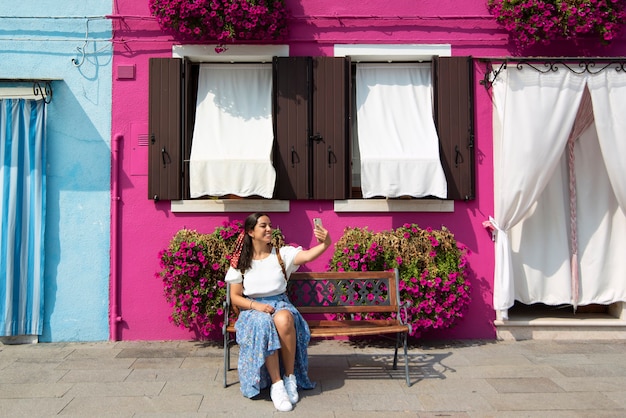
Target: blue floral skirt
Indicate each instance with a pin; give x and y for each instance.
(257, 338)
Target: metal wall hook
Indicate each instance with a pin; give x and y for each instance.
(81, 49)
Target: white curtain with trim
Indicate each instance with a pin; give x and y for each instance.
(537, 113)
(532, 213)
(231, 150)
(398, 142)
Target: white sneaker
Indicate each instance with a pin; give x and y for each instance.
(279, 397)
(291, 385)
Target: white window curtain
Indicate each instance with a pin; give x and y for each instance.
(233, 135)
(22, 211)
(398, 142)
(532, 189)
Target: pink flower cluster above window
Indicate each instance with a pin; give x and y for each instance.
(222, 20)
(542, 21)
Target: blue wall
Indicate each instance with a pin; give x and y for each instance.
(40, 40)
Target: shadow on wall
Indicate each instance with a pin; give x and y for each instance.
(77, 214)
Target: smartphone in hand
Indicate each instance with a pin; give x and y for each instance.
(317, 222)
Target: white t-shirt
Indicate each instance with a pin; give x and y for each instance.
(265, 277)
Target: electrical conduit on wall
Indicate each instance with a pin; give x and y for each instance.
(114, 317)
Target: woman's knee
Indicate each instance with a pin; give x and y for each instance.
(283, 320)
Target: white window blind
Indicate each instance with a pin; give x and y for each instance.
(398, 143)
(233, 134)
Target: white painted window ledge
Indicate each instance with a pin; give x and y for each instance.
(352, 205)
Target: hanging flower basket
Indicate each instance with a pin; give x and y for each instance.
(221, 21)
(542, 21)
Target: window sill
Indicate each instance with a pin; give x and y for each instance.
(230, 205)
(393, 205)
(352, 205)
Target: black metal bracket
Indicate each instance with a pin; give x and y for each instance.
(45, 90)
(550, 65)
(41, 88)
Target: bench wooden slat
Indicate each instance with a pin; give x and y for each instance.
(331, 328)
(349, 328)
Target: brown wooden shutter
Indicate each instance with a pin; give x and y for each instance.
(291, 108)
(312, 122)
(330, 143)
(454, 117)
(164, 125)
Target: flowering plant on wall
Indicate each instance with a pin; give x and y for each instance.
(222, 20)
(431, 264)
(193, 267)
(541, 21)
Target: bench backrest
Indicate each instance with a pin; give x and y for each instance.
(344, 292)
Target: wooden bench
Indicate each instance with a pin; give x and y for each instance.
(346, 293)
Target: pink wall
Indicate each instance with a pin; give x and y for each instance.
(146, 227)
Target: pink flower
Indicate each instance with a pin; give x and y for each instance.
(567, 19)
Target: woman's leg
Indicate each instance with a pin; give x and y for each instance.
(273, 367)
(285, 326)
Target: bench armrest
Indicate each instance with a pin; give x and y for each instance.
(404, 305)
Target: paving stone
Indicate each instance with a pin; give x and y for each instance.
(619, 397)
(119, 389)
(32, 407)
(96, 375)
(589, 401)
(525, 385)
(455, 402)
(33, 390)
(592, 383)
(98, 406)
(441, 385)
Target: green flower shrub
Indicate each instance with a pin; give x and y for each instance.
(193, 268)
(431, 264)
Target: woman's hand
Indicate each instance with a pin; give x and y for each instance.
(262, 307)
(322, 235)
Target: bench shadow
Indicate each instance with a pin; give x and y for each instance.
(334, 362)
(372, 359)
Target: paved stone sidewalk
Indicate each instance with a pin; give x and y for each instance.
(354, 379)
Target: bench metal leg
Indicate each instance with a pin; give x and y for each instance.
(395, 353)
(226, 356)
(404, 338)
(406, 359)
